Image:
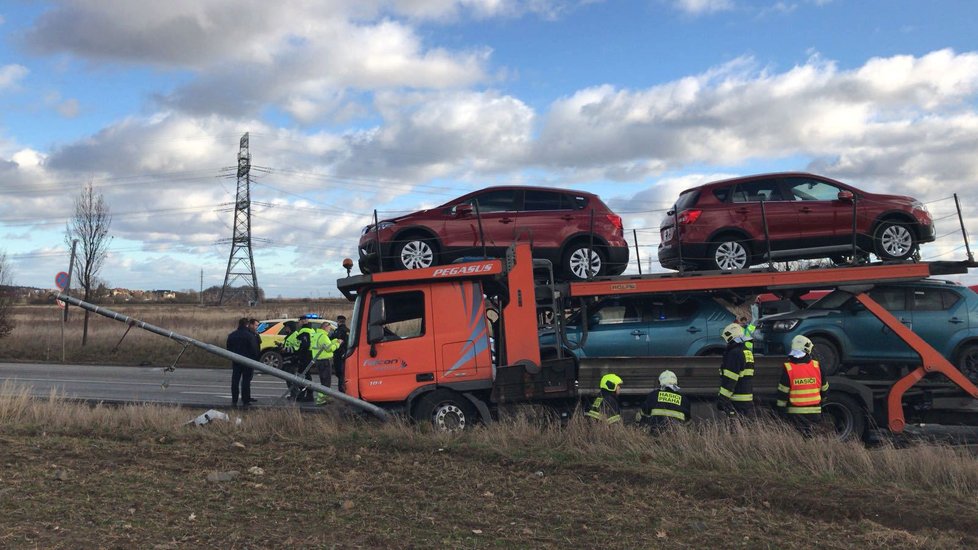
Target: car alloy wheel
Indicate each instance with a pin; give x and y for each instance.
(896, 241)
(579, 265)
(416, 254)
(730, 255)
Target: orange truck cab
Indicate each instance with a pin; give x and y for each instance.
(447, 343)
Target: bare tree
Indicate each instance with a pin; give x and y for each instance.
(6, 296)
(90, 226)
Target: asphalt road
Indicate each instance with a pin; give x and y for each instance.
(111, 384)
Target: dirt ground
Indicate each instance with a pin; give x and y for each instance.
(359, 486)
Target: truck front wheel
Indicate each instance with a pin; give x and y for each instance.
(446, 410)
(845, 415)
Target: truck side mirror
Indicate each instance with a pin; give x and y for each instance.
(378, 313)
(845, 195)
(375, 333)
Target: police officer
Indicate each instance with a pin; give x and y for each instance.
(802, 388)
(322, 354)
(341, 333)
(606, 408)
(736, 396)
(664, 406)
(300, 344)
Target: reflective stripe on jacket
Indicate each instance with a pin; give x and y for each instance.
(737, 374)
(296, 341)
(605, 408)
(321, 345)
(662, 405)
(801, 388)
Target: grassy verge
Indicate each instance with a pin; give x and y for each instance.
(77, 476)
(37, 335)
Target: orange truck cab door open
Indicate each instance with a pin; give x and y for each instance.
(419, 335)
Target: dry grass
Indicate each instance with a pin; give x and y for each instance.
(37, 335)
(82, 476)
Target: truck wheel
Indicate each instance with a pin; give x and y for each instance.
(967, 362)
(414, 253)
(847, 416)
(576, 266)
(729, 254)
(827, 355)
(272, 359)
(446, 410)
(894, 241)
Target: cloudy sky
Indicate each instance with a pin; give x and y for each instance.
(394, 105)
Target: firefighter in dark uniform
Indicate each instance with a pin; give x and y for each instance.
(802, 388)
(665, 406)
(736, 396)
(606, 408)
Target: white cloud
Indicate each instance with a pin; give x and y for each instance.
(10, 75)
(738, 112)
(702, 7)
(902, 124)
(249, 54)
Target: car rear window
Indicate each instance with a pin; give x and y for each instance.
(721, 193)
(933, 299)
(573, 202)
(687, 199)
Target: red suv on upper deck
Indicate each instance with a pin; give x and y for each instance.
(562, 225)
(720, 224)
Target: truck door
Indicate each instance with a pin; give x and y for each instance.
(398, 353)
(461, 333)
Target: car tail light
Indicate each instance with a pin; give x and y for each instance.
(689, 216)
(616, 221)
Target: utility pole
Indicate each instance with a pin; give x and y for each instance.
(241, 262)
(71, 269)
(201, 293)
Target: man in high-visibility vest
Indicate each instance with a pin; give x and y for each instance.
(605, 407)
(300, 343)
(736, 396)
(802, 389)
(664, 406)
(322, 355)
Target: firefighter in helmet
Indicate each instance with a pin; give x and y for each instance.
(665, 405)
(606, 408)
(802, 388)
(736, 396)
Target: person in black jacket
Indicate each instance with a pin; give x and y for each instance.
(736, 396)
(665, 406)
(341, 333)
(244, 343)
